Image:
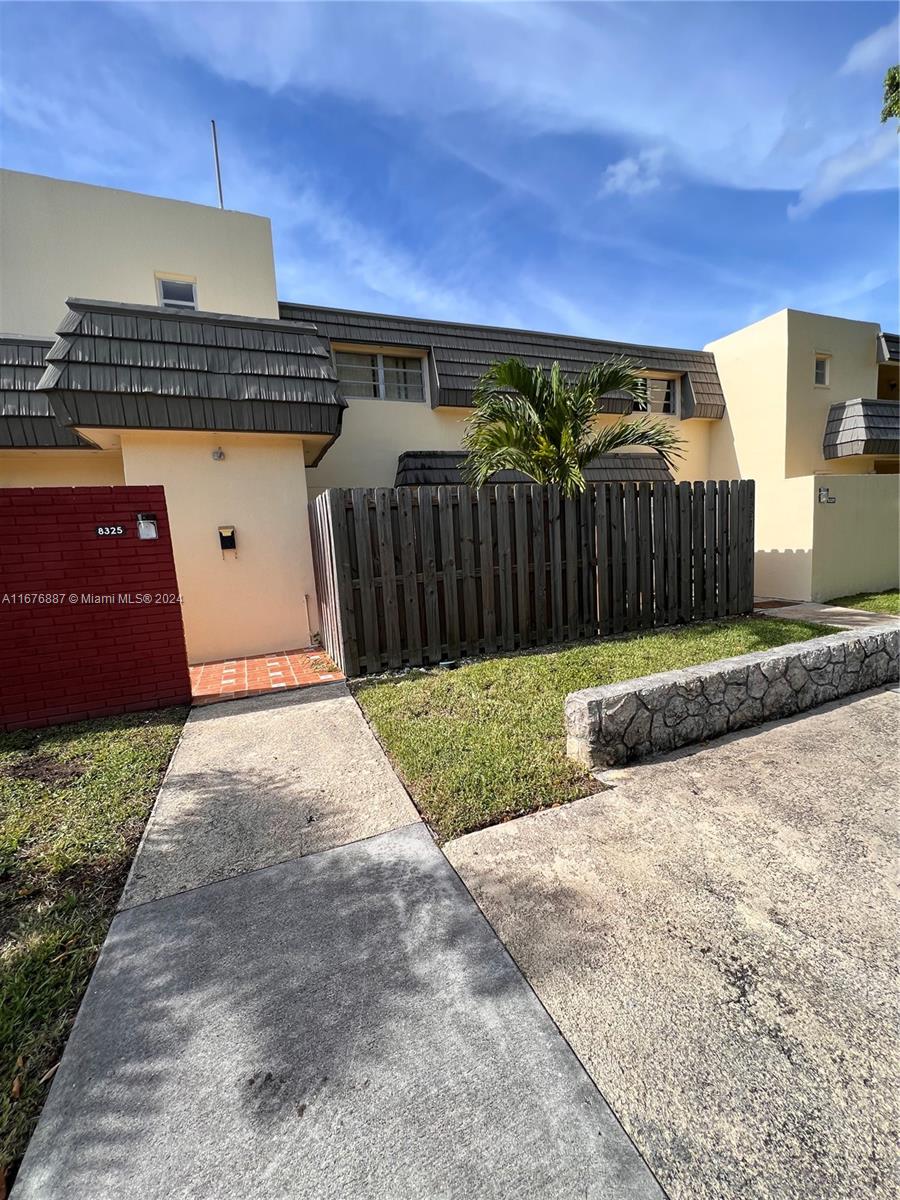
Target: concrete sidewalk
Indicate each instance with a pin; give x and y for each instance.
(254, 782)
(826, 614)
(342, 1025)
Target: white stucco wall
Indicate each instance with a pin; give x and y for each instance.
(60, 239)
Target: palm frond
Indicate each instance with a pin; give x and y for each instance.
(543, 424)
(644, 431)
(510, 376)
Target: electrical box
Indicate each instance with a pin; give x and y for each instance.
(227, 539)
(147, 527)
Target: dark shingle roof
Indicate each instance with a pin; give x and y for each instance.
(889, 347)
(461, 353)
(862, 427)
(130, 366)
(26, 420)
(434, 467)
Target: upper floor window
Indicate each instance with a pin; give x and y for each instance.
(823, 370)
(365, 376)
(662, 396)
(176, 293)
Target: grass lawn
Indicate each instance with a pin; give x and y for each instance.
(880, 602)
(486, 742)
(73, 804)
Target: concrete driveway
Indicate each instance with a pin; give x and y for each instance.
(716, 938)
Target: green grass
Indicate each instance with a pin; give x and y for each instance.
(880, 602)
(73, 803)
(486, 742)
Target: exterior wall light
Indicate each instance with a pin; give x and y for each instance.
(147, 528)
(218, 454)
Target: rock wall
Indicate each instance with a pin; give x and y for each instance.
(623, 721)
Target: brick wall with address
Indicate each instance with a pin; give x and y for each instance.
(90, 621)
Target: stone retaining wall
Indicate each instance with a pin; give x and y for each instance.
(656, 713)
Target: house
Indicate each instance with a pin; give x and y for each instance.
(145, 343)
(813, 415)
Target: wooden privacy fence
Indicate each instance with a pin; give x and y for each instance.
(412, 576)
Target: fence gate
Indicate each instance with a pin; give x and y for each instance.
(415, 576)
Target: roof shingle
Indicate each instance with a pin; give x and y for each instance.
(416, 468)
(26, 420)
(461, 353)
(139, 367)
(862, 427)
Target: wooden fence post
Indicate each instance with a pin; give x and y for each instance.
(470, 641)
(347, 646)
(388, 562)
(429, 576)
(523, 581)
(449, 569)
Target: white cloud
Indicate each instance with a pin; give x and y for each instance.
(875, 52)
(634, 176)
(359, 254)
(849, 169)
(762, 111)
(326, 255)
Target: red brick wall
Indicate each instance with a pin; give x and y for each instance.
(79, 656)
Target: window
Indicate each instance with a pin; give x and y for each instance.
(662, 396)
(176, 293)
(379, 376)
(823, 370)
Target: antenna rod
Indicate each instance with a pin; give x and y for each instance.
(215, 142)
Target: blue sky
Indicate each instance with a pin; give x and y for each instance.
(658, 173)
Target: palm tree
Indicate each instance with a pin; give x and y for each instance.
(543, 424)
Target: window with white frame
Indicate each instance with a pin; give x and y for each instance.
(371, 376)
(662, 395)
(176, 293)
(822, 376)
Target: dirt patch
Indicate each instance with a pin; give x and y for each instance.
(45, 769)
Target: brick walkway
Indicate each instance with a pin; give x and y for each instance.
(281, 670)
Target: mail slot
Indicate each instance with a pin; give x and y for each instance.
(227, 540)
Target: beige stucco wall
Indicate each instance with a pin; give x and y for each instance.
(253, 601)
(856, 539)
(749, 442)
(60, 468)
(853, 373)
(773, 433)
(373, 435)
(695, 462)
(776, 415)
(60, 239)
(376, 432)
(783, 562)
(807, 550)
